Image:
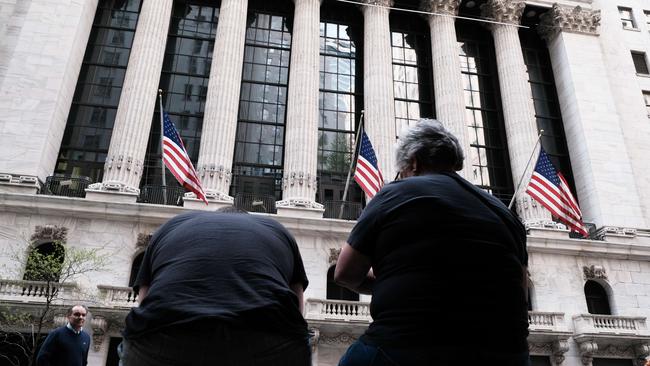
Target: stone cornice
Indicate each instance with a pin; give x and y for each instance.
(503, 11)
(564, 19)
(449, 7)
(628, 248)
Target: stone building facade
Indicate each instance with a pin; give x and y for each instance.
(268, 97)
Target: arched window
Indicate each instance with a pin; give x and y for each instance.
(44, 262)
(336, 292)
(597, 300)
(135, 268)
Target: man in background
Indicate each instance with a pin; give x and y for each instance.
(67, 345)
(220, 288)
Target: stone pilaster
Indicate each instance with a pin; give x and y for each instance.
(222, 103)
(598, 130)
(447, 78)
(517, 102)
(124, 163)
(378, 97)
(300, 153)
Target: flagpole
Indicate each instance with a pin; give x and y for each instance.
(539, 138)
(162, 134)
(347, 181)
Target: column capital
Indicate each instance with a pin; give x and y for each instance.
(565, 19)
(503, 11)
(449, 7)
(387, 3)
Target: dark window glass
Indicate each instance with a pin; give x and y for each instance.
(90, 123)
(597, 299)
(612, 362)
(259, 145)
(646, 98)
(113, 359)
(488, 155)
(640, 63)
(547, 106)
(185, 74)
(412, 81)
(340, 100)
(540, 361)
(336, 292)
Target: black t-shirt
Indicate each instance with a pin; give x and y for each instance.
(206, 267)
(448, 260)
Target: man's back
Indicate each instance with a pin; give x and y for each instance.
(226, 268)
(445, 261)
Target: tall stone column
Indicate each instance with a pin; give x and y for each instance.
(378, 96)
(222, 103)
(594, 120)
(124, 163)
(517, 102)
(300, 151)
(447, 78)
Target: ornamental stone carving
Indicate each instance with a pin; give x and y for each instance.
(560, 347)
(143, 240)
(641, 351)
(614, 230)
(535, 348)
(587, 351)
(448, 7)
(564, 19)
(594, 272)
(299, 202)
(615, 351)
(334, 255)
(127, 162)
(99, 326)
(387, 3)
(503, 11)
(314, 337)
(49, 233)
(300, 178)
(212, 170)
(112, 186)
(338, 339)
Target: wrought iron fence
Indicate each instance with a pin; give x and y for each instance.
(342, 210)
(255, 202)
(65, 185)
(161, 195)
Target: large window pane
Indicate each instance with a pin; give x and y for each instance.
(184, 81)
(90, 123)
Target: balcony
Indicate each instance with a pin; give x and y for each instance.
(255, 202)
(344, 210)
(162, 195)
(338, 311)
(67, 186)
(594, 324)
(117, 297)
(34, 291)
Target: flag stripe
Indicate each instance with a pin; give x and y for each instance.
(367, 173)
(548, 187)
(177, 161)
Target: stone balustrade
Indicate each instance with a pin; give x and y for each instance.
(546, 321)
(337, 310)
(610, 324)
(35, 291)
(118, 297)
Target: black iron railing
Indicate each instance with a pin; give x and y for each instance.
(342, 210)
(64, 185)
(162, 195)
(255, 202)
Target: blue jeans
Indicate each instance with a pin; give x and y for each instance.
(222, 346)
(361, 354)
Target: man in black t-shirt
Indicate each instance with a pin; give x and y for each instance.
(219, 288)
(444, 261)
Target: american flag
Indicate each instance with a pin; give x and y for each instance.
(548, 187)
(177, 161)
(367, 173)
